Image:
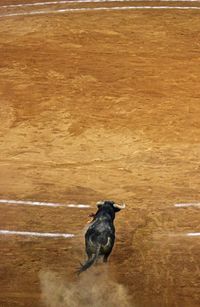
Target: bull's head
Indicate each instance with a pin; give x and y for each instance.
(116, 207)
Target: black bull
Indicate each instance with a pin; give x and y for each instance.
(100, 236)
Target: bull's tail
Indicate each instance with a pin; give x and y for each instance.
(90, 261)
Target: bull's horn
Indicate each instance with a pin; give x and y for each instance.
(122, 206)
(100, 203)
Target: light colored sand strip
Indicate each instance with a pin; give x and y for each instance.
(87, 1)
(36, 234)
(193, 234)
(186, 205)
(102, 9)
(38, 203)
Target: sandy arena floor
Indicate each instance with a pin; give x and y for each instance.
(100, 105)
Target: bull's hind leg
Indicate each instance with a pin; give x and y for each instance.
(108, 248)
(105, 257)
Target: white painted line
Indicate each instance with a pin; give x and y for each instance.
(176, 235)
(36, 234)
(87, 1)
(193, 234)
(102, 9)
(78, 206)
(38, 203)
(186, 205)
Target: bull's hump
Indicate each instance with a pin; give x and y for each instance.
(105, 217)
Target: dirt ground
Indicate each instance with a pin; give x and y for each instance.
(100, 105)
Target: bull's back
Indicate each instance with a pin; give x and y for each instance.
(101, 232)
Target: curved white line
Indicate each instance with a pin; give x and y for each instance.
(38, 203)
(87, 1)
(37, 234)
(102, 9)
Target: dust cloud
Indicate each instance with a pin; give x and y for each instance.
(92, 288)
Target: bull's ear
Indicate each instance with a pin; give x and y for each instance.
(100, 203)
(117, 209)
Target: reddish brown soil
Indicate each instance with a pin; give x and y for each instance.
(102, 105)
